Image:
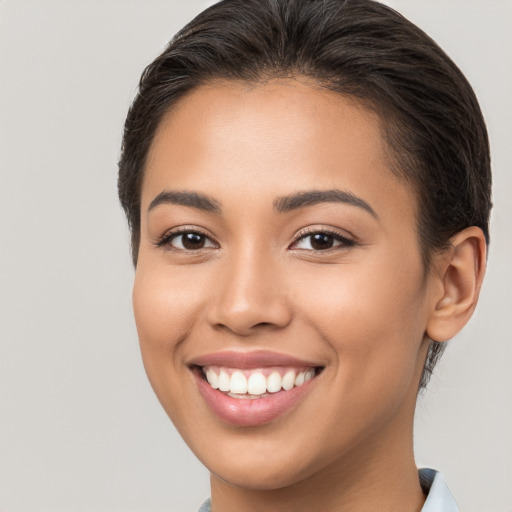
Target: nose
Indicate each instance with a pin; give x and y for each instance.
(250, 297)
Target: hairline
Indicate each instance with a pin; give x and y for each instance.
(386, 117)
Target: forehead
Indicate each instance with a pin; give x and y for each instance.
(271, 138)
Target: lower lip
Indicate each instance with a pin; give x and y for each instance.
(244, 412)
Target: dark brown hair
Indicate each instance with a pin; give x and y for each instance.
(431, 121)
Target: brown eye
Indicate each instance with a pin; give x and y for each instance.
(192, 241)
(188, 241)
(322, 241)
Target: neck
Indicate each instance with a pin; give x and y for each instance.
(377, 481)
(378, 474)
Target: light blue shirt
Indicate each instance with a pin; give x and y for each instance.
(439, 497)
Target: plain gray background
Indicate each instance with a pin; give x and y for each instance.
(80, 428)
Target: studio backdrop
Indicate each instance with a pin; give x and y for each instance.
(80, 429)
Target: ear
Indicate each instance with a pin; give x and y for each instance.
(460, 272)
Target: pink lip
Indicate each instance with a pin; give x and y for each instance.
(250, 360)
(247, 412)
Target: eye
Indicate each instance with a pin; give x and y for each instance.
(321, 241)
(187, 241)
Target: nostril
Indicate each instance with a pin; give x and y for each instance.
(247, 312)
(263, 324)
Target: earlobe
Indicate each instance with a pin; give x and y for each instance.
(461, 270)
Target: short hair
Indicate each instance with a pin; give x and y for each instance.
(435, 134)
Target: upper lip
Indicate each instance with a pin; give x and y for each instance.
(250, 360)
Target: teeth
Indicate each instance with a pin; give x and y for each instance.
(257, 384)
(238, 383)
(309, 374)
(254, 384)
(274, 382)
(212, 378)
(299, 380)
(224, 381)
(288, 380)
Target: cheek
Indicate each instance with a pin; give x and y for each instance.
(165, 309)
(166, 305)
(373, 317)
(375, 340)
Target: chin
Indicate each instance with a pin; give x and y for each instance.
(259, 476)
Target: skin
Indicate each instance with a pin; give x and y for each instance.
(362, 309)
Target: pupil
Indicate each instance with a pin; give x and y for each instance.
(321, 241)
(192, 241)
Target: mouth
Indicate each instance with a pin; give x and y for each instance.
(252, 389)
(256, 383)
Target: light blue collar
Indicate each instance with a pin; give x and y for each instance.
(439, 497)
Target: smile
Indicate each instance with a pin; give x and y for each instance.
(257, 383)
(254, 388)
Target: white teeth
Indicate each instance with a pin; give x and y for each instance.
(238, 384)
(257, 384)
(224, 381)
(309, 374)
(288, 380)
(212, 378)
(274, 382)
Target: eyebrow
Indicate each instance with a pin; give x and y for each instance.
(311, 197)
(184, 198)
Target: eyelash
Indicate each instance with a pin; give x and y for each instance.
(345, 241)
(168, 237)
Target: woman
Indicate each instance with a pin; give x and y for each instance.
(307, 185)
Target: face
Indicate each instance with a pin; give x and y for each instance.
(280, 297)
